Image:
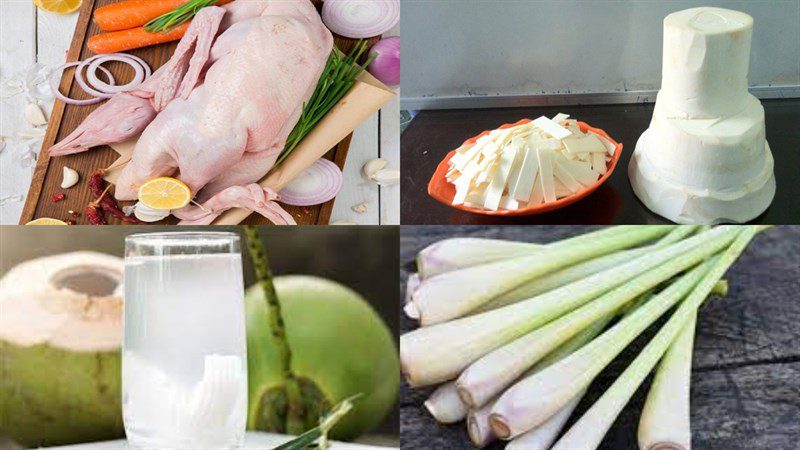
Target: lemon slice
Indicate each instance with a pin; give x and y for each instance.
(46, 221)
(165, 193)
(58, 6)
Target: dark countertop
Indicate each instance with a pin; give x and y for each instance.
(746, 370)
(432, 134)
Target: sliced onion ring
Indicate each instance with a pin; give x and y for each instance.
(358, 19)
(54, 81)
(84, 85)
(317, 184)
(91, 75)
(95, 86)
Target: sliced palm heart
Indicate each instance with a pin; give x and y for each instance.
(527, 165)
(58, 6)
(165, 193)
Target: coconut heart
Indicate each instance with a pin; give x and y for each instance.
(340, 347)
(60, 332)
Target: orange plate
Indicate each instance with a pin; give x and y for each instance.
(443, 191)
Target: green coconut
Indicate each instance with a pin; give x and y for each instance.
(60, 333)
(339, 347)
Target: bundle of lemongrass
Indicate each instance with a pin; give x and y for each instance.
(514, 333)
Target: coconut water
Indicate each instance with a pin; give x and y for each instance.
(184, 371)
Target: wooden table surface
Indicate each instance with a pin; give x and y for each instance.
(432, 134)
(28, 35)
(746, 372)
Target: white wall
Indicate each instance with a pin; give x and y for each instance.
(480, 48)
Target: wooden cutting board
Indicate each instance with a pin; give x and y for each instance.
(65, 118)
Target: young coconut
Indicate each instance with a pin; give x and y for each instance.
(60, 334)
(339, 347)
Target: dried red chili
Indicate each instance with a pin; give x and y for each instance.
(97, 185)
(57, 197)
(93, 211)
(94, 214)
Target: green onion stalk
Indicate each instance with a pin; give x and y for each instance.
(337, 78)
(177, 17)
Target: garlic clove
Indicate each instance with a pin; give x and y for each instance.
(361, 208)
(374, 165)
(34, 115)
(387, 177)
(69, 177)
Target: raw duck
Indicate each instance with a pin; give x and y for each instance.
(218, 113)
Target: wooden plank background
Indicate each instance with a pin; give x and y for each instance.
(746, 370)
(28, 35)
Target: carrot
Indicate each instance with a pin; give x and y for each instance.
(132, 13)
(135, 13)
(118, 41)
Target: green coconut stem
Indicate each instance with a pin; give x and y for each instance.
(294, 399)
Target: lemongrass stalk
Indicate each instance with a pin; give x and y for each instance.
(532, 401)
(588, 431)
(411, 286)
(439, 353)
(445, 405)
(478, 428)
(453, 294)
(665, 423)
(543, 436)
(568, 275)
(459, 253)
(494, 372)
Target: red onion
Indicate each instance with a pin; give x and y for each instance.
(95, 87)
(360, 19)
(386, 65)
(315, 185)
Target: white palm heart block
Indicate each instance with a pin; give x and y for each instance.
(704, 159)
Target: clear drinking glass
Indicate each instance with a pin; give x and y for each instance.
(184, 360)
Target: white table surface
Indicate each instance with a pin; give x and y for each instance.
(28, 35)
(253, 441)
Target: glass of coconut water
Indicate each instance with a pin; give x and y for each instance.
(184, 362)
